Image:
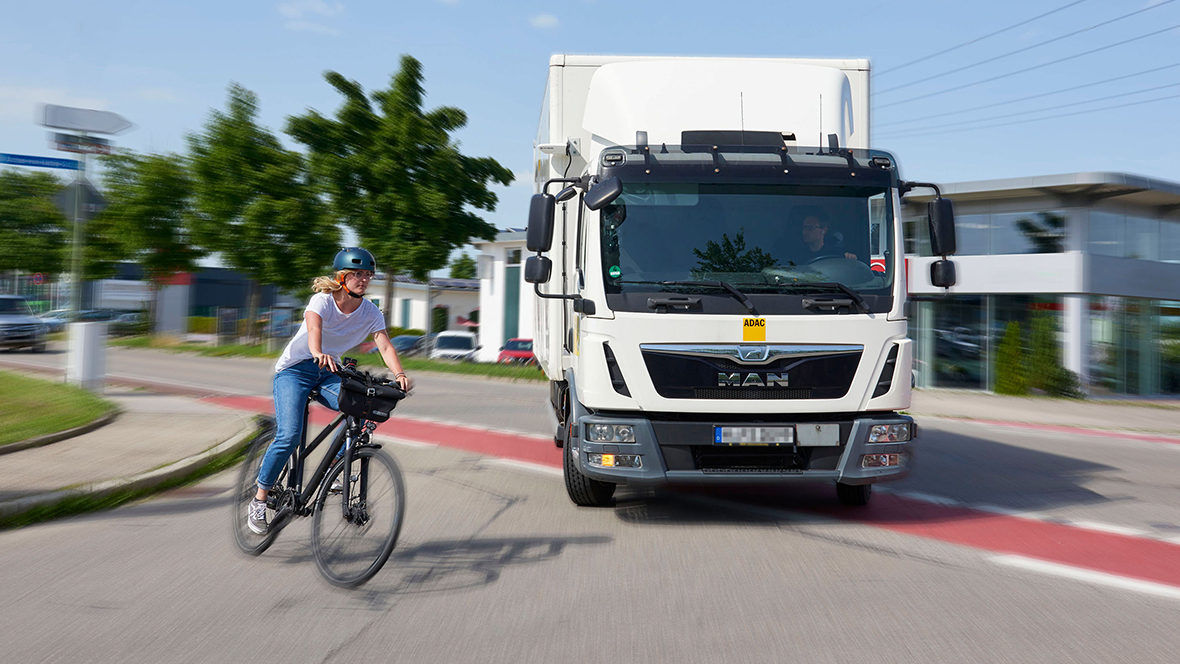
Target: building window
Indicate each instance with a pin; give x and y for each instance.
(1170, 241)
(1106, 234)
(1028, 233)
(513, 256)
(1143, 238)
(971, 232)
(1169, 347)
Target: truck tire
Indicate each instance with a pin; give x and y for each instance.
(585, 492)
(854, 494)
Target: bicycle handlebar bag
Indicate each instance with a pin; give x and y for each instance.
(367, 400)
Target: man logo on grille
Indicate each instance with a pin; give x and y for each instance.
(752, 380)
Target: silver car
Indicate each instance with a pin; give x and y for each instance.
(19, 328)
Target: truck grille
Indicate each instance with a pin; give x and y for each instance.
(747, 393)
(720, 460)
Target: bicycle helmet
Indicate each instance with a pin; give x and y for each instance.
(354, 258)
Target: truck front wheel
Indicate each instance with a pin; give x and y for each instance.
(854, 494)
(584, 491)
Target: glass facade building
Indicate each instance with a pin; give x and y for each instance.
(1098, 254)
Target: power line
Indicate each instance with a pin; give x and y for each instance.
(1028, 69)
(1047, 117)
(1039, 110)
(978, 39)
(1020, 99)
(1026, 48)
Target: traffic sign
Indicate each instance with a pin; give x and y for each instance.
(83, 119)
(38, 162)
(38, 279)
(92, 202)
(81, 144)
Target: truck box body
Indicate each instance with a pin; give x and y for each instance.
(720, 184)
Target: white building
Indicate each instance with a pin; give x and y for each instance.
(507, 304)
(459, 296)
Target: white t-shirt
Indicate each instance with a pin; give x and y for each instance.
(341, 331)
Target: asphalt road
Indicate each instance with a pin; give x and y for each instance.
(1003, 546)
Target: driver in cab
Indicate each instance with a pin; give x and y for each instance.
(815, 231)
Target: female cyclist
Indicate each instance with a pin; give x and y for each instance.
(337, 318)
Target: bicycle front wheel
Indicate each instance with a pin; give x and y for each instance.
(350, 548)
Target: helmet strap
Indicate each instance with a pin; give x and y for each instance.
(341, 282)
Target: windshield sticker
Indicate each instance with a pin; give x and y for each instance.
(754, 329)
(615, 272)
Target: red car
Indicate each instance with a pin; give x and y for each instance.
(519, 351)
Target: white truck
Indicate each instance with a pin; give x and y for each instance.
(720, 268)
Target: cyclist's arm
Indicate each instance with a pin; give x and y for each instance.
(315, 337)
(381, 337)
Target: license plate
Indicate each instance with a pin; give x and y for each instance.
(753, 435)
(818, 435)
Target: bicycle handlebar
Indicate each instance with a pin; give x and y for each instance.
(347, 368)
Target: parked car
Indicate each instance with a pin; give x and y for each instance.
(56, 320)
(132, 322)
(453, 346)
(19, 328)
(517, 351)
(402, 343)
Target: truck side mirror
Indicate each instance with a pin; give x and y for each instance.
(942, 227)
(537, 269)
(540, 234)
(942, 273)
(602, 193)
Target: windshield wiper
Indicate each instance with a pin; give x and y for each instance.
(855, 296)
(723, 285)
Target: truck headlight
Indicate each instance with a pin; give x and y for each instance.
(610, 433)
(889, 433)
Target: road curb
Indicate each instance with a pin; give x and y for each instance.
(38, 441)
(146, 480)
(1128, 434)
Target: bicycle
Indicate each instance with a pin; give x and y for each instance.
(356, 515)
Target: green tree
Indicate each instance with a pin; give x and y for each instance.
(463, 267)
(150, 211)
(395, 175)
(34, 234)
(1045, 357)
(256, 203)
(1010, 370)
(732, 256)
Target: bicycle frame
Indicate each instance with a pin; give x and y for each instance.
(302, 496)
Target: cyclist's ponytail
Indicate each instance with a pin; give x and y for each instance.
(330, 284)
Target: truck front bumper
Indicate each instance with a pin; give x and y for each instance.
(677, 452)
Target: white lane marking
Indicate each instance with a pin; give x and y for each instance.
(1107, 528)
(525, 465)
(403, 441)
(1173, 540)
(1088, 576)
(928, 498)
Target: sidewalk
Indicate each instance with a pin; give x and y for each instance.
(155, 438)
(1141, 416)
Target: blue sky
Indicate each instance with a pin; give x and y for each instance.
(165, 65)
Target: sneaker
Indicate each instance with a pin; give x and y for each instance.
(256, 516)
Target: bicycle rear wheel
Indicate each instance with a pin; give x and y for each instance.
(350, 551)
(248, 541)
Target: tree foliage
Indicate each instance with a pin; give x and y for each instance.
(34, 234)
(255, 203)
(463, 267)
(1045, 357)
(731, 256)
(150, 211)
(395, 175)
(1010, 369)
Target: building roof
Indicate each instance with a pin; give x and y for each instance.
(506, 235)
(442, 283)
(1071, 188)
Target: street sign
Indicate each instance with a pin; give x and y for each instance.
(38, 162)
(92, 202)
(38, 279)
(81, 144)
(83, 119)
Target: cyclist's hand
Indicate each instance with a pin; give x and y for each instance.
(403, 381)
(324, 361)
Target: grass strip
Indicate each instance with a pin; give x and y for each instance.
(31, 407)
(86, 504)
(514, 371)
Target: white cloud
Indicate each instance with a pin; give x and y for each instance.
(18, 104)
(299, 15)
(544, 22)
(158, 95)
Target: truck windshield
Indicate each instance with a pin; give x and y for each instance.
(759, 238)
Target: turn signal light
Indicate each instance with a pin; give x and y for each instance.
(616, 460)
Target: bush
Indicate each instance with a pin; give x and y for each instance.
(1064, 383)
(202, 324)
(1010, 375)
(1045, 359)
(398, 331)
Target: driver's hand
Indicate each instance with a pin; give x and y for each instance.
(324, 361)
(848, 255)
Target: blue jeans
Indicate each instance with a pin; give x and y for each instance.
(292, 386)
